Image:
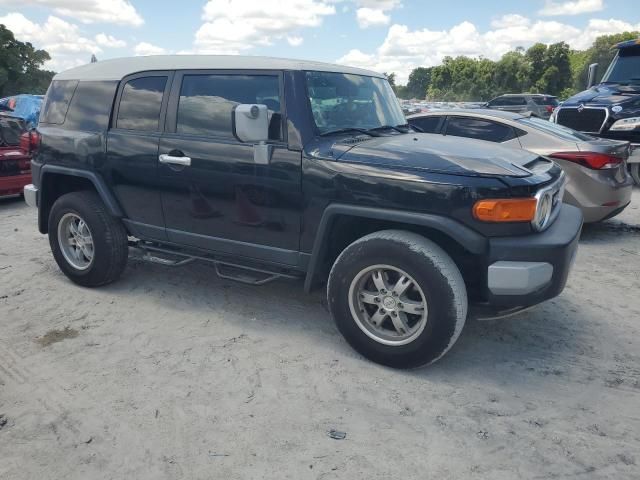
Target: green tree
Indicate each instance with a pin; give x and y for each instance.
(20, 66)
(556, 73)
(419, 80)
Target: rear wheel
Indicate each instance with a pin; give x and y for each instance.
(89, 245)
(634, 169)
(397, 298)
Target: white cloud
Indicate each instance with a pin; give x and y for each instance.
(576, 7)
(404, 49)
(145, 48)
(369, 17)
(295, 41)
(63, 40)
(109, 41)
(232, 26)
(87, 11)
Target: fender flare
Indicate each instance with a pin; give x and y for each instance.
(113, 207)
(471, 240)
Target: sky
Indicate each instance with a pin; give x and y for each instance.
(382, 35)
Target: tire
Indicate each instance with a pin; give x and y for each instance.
(634, 170)
(110, 248)
(435, 279)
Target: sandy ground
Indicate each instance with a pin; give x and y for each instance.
(175, 374)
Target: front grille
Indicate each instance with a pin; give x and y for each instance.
(588, 120)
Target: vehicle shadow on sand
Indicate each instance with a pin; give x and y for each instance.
(541, 340)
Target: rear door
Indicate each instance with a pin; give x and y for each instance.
(221, 200)
(132, 150)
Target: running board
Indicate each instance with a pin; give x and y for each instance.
(225, 268)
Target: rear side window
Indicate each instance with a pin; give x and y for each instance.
(207, 101)
(57, 101)
(140, 104)
(479, 129)
(553, 101)
(427, 124)
(91, 106)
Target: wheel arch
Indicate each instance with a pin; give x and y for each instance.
(56, 180)
(342, 224)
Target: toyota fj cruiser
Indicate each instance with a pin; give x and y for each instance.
(274, 168)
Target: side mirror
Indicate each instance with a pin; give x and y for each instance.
(251, 123)
(591, 77)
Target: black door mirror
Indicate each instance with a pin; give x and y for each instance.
(591, 77)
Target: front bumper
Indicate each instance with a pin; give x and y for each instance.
(525, 270)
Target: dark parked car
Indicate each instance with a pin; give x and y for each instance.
(274, 168)
(610, 109)
(537, 104)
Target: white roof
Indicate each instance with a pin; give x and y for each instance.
(118, 68)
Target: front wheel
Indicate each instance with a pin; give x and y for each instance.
(89, 245)
(397, 298)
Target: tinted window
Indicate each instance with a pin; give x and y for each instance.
(426, 124)
(545, 101)
(91, 106)
(479, 129)
(555, 129)
(207, 102)
(57, 102)
(140, 104)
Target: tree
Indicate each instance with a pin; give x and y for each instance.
(20, 66)
(419, 80)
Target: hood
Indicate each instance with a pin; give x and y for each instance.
(606, 95)
(438, 153)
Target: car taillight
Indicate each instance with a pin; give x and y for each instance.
(593, 160)
(30, 141)
(549, 108)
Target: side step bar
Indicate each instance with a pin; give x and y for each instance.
(225, 268)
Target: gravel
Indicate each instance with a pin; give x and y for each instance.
(174, 373)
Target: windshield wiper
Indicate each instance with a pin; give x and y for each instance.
(349, 130)
(386, 127)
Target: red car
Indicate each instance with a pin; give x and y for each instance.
(15, 155)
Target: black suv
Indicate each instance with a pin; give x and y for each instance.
(274, 168)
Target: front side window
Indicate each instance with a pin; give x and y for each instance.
(207, 101)
(342, 101)
(479, 129)
(141, 103)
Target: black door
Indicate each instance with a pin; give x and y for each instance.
(218, 198)
(132, 151)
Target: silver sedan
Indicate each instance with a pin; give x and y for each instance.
(597, 178)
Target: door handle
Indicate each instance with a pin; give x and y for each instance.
(185, 161)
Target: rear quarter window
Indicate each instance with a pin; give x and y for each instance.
(57, 101)
(91, 106)
(553, 101)
(479, 129)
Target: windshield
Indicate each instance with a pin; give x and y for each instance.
(625, 67)
(342, 101)
(560, 131)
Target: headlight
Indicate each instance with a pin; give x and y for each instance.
(626, 124)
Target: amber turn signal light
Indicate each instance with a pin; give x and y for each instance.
(505, 210)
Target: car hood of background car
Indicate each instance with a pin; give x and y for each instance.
(438, 153)
(605, 95)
